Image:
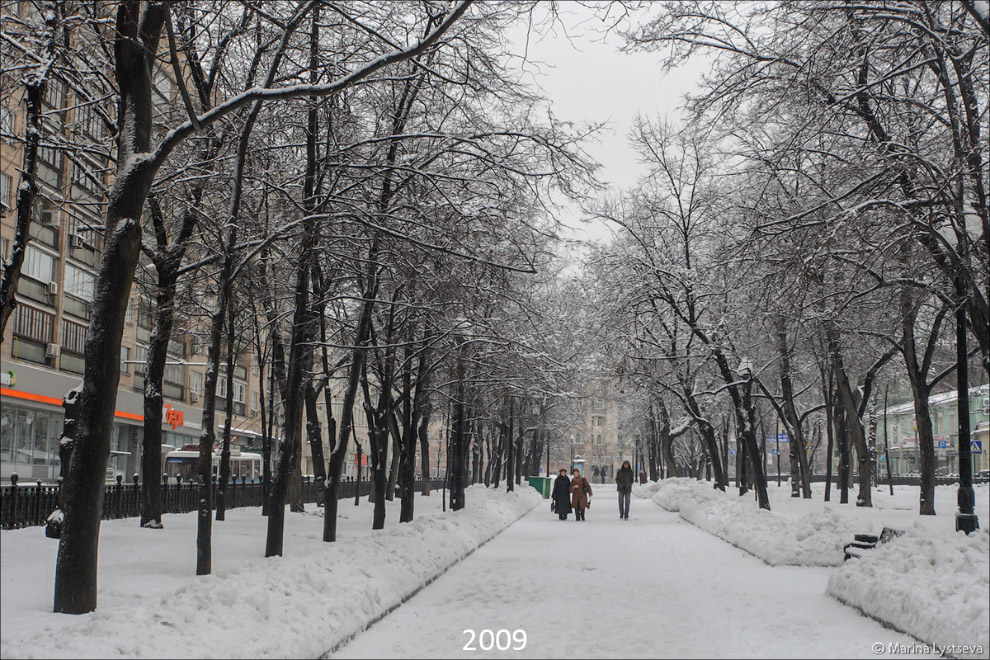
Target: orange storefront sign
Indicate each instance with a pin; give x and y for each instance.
(173, 417)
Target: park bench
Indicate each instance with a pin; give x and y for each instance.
(865, 542)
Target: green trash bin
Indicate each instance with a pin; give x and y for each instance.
(542, 485)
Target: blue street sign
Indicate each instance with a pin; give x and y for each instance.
(942, 444)
(976, 447)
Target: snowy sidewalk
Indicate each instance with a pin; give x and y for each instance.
(653, 586)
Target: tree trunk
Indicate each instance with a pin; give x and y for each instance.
(137, 35)
(228, 417)
(830, 428)
(154, 376)
(851, 418)
(339, 453)
(666, 442)
(424, 447)
(922, 413)
(455, 456)
(798, 456)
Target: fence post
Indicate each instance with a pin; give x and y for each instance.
(136, 498)
(177, 500)
(165, 494)
(15, 519)
(37, 504)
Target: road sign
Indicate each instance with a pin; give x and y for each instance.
(976, 447)
(942, 444)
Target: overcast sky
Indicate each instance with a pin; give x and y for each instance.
(588, 80)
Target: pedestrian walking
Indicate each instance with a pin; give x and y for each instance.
(560, 502)
(642, 476)
(580, 494)
(624, 480)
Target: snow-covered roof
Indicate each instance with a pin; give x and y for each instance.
(938, 400)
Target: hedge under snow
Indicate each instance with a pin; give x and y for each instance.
(295, 606)
(814, 539)
(931, 586)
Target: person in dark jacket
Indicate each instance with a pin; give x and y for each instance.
(642, 476)
(560, 500)
(624, 480)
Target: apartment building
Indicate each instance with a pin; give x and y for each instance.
(42, 349)
(604, 436)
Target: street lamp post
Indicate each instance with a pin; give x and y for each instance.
(966, 518)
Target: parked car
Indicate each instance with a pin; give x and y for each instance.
(982, 477)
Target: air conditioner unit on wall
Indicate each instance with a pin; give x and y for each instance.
(76, 241)
(52, 288)
(193, 396)
(52, 350)
(49, 218)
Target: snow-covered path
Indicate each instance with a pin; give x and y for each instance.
(653, 586)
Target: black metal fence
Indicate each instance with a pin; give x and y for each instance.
(28, 505)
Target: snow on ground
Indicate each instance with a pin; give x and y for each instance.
(932, 583)
(652, 586)
(152, 605)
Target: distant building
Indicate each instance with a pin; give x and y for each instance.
(902, 433)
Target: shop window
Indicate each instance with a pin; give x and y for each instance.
(7, 424)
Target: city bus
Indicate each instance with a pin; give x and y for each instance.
(182, 462)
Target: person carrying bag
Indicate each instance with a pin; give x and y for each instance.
(580, 494)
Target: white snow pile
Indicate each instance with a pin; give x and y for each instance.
(932, 586)
(295, 606)
(813, 539)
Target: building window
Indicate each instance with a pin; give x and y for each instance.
(175, 374)
(33, 332)
(6, 192)
(84, 228)
(6, 122)
(79, 283)
(140, 359)
(31, 323)
(196, 382)
(54, 94)
(144, 313)
(240, 392)
(89, 121)
(73, 336)
(84, 175)
(125, 356)
(38, 265)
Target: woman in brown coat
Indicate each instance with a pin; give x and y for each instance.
(580, 495)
